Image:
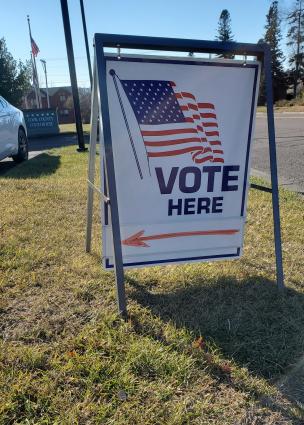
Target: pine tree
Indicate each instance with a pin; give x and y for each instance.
(273, 37)
(224, 30)
(14, 76)
(295, 36)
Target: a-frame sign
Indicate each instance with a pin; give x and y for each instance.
(176, 135)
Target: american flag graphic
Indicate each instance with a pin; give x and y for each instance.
(35, 48)
(173, 122)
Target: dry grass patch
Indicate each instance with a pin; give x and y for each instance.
(71, 128)
(204, 343)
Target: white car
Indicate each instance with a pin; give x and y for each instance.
(13, 133)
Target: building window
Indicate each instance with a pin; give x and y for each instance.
(62, 98)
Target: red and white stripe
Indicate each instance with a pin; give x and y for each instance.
(199, 135)
(35, 48)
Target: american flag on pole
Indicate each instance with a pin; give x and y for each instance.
(35, 48)
(173, 122)
(34, 75)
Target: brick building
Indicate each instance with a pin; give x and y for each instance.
(60, 99)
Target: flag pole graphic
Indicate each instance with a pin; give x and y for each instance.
(113, 74)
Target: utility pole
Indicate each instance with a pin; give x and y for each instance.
(298, 51)
(71, 60)
(43, 62)
(86, 40)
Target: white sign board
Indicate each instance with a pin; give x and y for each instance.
(181, 136)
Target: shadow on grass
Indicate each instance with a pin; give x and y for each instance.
(6, 166)
(41, 165)
(248, 320)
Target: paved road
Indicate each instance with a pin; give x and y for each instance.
(290, 149)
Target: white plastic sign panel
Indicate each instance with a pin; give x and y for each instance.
(181, 135)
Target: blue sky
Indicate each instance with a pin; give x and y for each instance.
(168, 18)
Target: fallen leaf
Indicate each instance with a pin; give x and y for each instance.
(199, 343)
(226, 368)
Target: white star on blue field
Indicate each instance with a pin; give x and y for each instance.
(153, 102)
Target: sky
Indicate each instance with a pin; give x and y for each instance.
(163, 18)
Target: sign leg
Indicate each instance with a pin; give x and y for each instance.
(114, 217)
(91, 170)
(118, 260)
(111, 183)
(273, 169)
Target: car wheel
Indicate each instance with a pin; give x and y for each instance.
(22, 154)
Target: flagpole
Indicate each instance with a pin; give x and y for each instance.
(113, 75)
(34, 81)
(38, 95)
(37, 82)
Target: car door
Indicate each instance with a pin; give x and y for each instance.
(9, 132)
(3, 129)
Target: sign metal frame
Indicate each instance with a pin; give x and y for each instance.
(100, 109)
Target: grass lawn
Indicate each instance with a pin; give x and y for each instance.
(71, 128)
(294, 108)
(205, 343)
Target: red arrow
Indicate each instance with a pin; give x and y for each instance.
(139, 240)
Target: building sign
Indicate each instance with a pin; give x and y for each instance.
(181, 134)
(41, 122)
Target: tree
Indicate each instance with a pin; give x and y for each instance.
(295, 36)
(224, 31)
(273, 37)
(14, 76)
(85, 103)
